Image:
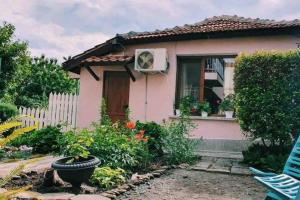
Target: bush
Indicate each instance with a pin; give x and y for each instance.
(153, 132)
(7, 111)
(108, 178)
(115, 149)
(176, 145)
(267, 91)
(46, 140)
(267, 158)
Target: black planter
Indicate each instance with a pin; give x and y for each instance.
(76, 172)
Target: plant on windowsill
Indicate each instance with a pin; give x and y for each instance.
(204, 108)
(227, 106)
(79, 165)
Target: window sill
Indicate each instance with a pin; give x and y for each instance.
(210, 118)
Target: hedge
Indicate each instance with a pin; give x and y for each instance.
(267, 87)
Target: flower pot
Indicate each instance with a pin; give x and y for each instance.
(177, 112)
(204, 114)
(228, 114)
(78, 172)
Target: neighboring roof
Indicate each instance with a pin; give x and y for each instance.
(108, 59)
(215, 27)
(224, 23)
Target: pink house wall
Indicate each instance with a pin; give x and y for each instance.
(161, 87)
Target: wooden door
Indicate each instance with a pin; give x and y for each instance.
(116, 94)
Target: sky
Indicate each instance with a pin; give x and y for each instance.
(59, 28)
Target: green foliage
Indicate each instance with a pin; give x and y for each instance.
(267, 91)
(104, 118)
(108, 178)
(204, 107)
(153, 132)
(227, 104)
(176, 145)
(19, 155)
(7, 111)
(46, 76)
(267, 158)
(115, 149)
(25, 81)
(14, 65)
(46, 140)
(79, 146)
(185, 104)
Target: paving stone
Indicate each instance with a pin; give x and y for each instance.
(218, 170)
(28, 195)
(240, 170)
(2, 190)
(202, 165)
(39, 166)
(57, 196)
(89, 197)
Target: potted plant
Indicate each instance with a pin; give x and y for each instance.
(79, 166)
(227, 106)
(204, 108)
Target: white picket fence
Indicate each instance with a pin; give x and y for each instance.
(62, 109)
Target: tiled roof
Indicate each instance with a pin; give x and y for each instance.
(108, 59)
(222, 23)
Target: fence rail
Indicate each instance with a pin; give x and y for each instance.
(62, 109)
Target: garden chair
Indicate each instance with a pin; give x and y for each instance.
(291, 173)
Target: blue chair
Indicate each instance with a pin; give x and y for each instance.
(283, 187)
(286, 183)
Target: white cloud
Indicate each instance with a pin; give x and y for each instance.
(56, 42)
(60, 28)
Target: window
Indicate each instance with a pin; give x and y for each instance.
(204, 79)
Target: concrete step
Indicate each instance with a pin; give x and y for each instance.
(221, 154)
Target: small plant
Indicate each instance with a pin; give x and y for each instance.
(107, 177)
(204, 107)
(79, 148)
(228, 103)
(178, 148)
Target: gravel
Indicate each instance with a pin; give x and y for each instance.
(179, 184)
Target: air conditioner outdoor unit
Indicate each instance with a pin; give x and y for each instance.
(151, 60)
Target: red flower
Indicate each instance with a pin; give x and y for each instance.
(140, 136)
(130, 125)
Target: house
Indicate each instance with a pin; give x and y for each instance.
(200, 63)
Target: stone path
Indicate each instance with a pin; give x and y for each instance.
(222, 165)
(41, 165)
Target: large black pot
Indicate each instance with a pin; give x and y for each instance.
(76, 172)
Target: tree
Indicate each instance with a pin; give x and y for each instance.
(46, 76)
(14, 64)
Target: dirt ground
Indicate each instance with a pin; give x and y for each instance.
(181, 184)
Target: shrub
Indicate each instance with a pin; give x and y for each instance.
(108, 178)
(7, 111)
(267, 158)
(46, 140)
(153, 132)
(115, 149)
(267, 91)
(176, 145)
